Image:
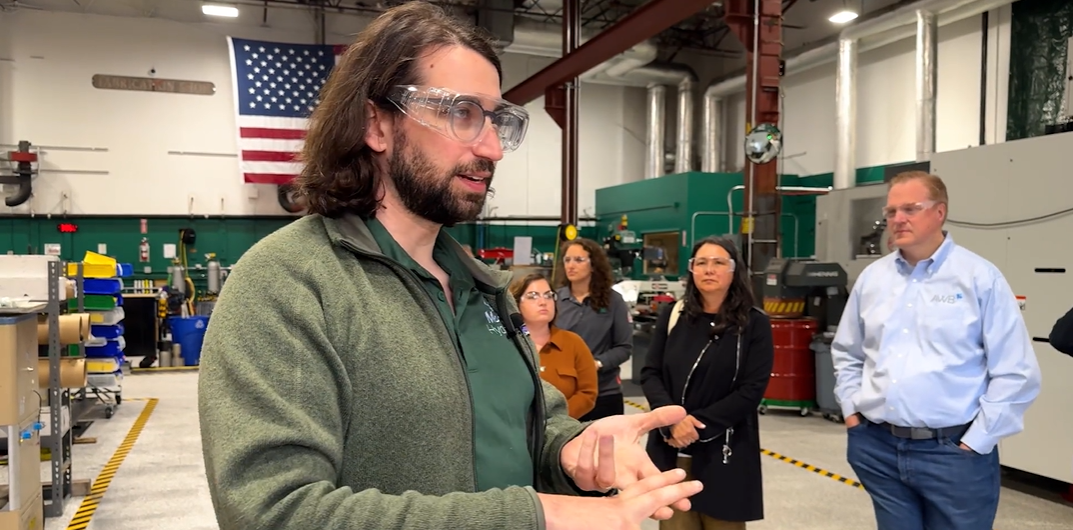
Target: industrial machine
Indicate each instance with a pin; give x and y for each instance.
(805, 299)
(180, 300)
(645, 297)
(803, 288)
(850, 228)
(1008, 206)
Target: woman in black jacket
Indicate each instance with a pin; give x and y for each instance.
(1061, 337)
(712, 353)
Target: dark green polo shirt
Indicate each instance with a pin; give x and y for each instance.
(500, 382)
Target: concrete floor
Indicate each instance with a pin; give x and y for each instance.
(161, 483)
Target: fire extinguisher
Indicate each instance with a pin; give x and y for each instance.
(143, 251)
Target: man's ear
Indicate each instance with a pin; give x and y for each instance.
(377, 127)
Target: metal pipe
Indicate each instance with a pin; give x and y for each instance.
(845, 174)
(803, 189)
(985, 28)
(710, 134)
(571, 34)
(655, 132)
(684, 156)
(753, 119)
(887, 28)
(927, 75)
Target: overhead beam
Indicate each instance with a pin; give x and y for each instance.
(644, 23)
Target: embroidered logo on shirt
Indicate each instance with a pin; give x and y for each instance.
(946, 299)
(495, 326)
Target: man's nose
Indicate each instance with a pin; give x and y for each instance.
(489, 146)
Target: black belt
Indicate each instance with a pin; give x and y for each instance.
(923, 433)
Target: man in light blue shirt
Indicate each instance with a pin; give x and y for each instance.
(934, 366)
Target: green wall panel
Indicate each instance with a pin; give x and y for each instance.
(227, 237)
(1039, 43)
(697, 204)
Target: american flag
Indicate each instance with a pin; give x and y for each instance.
(276, 87)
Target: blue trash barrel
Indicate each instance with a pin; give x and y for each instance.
(189, 333)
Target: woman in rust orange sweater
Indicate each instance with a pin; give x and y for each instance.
(565, 361)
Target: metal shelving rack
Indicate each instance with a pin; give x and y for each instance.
(60, 440)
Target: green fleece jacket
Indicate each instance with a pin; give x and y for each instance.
(331, 396)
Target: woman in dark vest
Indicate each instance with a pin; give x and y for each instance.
(712, 353)
(587, 305)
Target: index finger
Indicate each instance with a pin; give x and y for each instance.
(675, 494)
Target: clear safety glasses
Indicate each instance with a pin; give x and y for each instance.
(710, 264)
(462, 117)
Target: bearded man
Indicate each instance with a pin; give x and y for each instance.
(360, 371)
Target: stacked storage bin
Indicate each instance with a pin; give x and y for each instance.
(103, 288)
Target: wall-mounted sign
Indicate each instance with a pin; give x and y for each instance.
(152, 84)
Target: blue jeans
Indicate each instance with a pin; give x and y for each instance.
(924, 484)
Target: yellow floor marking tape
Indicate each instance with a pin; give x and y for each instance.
(96, 492)
(788, 460)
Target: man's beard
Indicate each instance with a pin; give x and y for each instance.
(429, 193)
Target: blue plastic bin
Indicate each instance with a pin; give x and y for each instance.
(189, 333)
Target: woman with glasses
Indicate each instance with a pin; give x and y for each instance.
(565, 361)
(712, 353)
(589, 307)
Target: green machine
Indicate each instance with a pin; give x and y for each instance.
(650, 226)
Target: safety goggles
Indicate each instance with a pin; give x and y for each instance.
(533, 295)
(713, 264)
(909, 210)
(462, 117)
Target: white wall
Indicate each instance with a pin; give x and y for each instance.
(886, 104)
(611, 148)
(47, 60)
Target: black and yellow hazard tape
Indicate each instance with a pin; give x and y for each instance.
(96, 492)
(780, 308)
(845, 480)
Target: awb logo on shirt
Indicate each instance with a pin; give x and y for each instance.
(946, 298)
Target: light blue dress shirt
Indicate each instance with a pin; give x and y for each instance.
(937, 345)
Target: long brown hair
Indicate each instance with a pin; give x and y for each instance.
(341, 173)
(734, 313)
(602, 277)
(518, 287)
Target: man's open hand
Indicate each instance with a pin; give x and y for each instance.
(618, 438)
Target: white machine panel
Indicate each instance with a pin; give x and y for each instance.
(1014, 181)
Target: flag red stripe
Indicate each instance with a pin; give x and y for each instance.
(272, 134)
(268, 178)
(268, 156)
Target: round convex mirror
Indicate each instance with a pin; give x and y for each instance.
(763, 143)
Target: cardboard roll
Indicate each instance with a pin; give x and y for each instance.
(783, 307)
(74, 328)
(72, 373)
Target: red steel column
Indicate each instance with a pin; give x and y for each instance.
(763, 42)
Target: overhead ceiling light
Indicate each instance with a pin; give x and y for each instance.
(217, 10)
(843, 16)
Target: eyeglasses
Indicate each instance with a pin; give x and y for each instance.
(909, 210)
(533, 295)
(575, 259)
(716, 264)
(462, 117)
